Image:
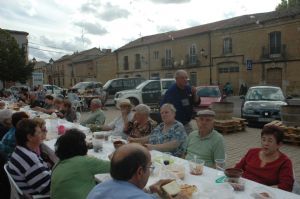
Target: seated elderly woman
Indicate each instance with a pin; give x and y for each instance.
(27, 168)
(141, 125)
(168, 136)
(268, 165)
(117, 125)
(43, 150)
(8, 142)
(73, 175)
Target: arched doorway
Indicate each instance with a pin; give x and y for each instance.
(274, 77)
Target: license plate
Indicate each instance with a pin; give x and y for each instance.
(265, 119)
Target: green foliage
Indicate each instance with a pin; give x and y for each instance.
(286, 4)
(12, 60)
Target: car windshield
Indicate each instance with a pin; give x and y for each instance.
(141, 85)
(81, 85)
(107, 84)
(208, 92)
(269, 94)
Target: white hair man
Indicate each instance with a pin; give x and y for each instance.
(183, 97)
(96, 117)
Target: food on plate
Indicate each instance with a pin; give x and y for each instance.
(171, 188)
(264, 194)
(188, 190)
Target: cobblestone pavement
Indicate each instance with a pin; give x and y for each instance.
(237, 144)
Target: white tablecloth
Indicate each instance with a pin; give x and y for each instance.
(207, 187)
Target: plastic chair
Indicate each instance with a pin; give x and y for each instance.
(16, 192)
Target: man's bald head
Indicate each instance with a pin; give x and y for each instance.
(127, 159)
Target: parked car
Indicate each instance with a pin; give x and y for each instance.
(148, 92)
(208, 95)
(52, 89)
(115, 85)
(90, 89)
(84, 87)
(16, 89)
(262, 104)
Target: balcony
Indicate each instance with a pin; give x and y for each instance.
(274, 53)
(192, 61)
(167, 63)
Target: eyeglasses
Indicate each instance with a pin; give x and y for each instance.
(151, 168)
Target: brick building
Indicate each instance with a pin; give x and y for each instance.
(262, 48)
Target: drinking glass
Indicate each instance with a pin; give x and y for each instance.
(220, 166)
(196, 165)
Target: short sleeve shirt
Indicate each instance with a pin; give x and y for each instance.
(176, 132)
(207, 148)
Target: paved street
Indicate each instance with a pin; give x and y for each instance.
(237, 144)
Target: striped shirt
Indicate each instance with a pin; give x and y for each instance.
(29, 171)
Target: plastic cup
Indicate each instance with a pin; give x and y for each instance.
(196, 166)
(97, 145)
(220, 164)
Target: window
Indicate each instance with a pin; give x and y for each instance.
(275, 42)
(230, 69)
(169, 75)
(154, 76)
(155, 55)
(168, 57)
(227, 46)
(193, 56)
(167, 84)
(125, 63)
(137, 63)
(152, 86)
(193, 76)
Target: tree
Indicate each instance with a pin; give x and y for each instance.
(13, 65)
(285, 4)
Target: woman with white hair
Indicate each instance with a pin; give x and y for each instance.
(116, 127)
(142, 125)
(168, 136)
(5, 121)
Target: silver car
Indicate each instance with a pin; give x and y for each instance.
(262, 104)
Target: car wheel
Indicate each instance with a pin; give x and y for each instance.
(134, 101)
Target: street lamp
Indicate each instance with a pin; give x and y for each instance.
(203, 54)
(51, 62)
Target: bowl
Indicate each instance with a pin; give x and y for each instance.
(118, 143)
(233, 172)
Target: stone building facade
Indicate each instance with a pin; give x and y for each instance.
(88, 65)
(255, 49)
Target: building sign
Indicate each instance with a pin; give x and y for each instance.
(249, 64)
(37, 79)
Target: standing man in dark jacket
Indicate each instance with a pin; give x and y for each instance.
(183, 97)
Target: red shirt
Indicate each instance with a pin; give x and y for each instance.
(279, 172)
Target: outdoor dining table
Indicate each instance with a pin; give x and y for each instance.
(206, 183)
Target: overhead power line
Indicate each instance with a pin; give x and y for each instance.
(49, 46)
(46, 50)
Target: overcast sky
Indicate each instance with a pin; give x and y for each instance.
(59, 27)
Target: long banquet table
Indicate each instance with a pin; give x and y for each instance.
(206, 183)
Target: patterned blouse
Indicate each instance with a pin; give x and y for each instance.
(176, 132)
(137, 131)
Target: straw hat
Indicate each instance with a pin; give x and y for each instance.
(123, 102)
